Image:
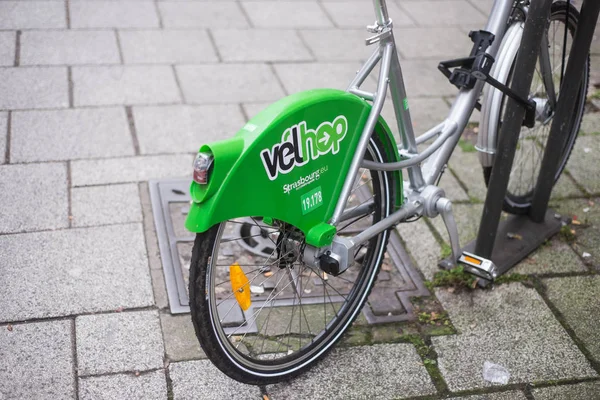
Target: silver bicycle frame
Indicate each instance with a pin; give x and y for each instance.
(425, 168)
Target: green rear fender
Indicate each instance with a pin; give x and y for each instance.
(289, 163)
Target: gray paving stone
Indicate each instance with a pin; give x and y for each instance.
(425, 113)
(436, 43)
(180, 339)
(379, 365)
(485, 6)
(510, 326)
(590, 124)
(150, 386)
(32, 15)
(149, 231)
(232, 83)
(586, 210)
(475, 115)
(423, 79)
(130, 169)
(125, 85)
(422, 246)
(101, 205)
(467, 28)
(213, 385)
(594, 80)
(512, 395)
(467, 169)
(251, 109)
(3, 135)
(160, 288)
(587, 236)
(298, 77)
(113, 14)
(577, 300)
(68, 48)
(37, 361)
(354, 14)
(203, 14)
(579, 391)
(33, 196)
(454, 12)
(156, 269)
(468, 218)
(126, 341)
(69, 134)
(337, 44)
(554, 257)
(7, 48)
(184, 128)
(260, 45)
(452, 187)
(585, 155)
(565, 187)
(595, 47)
(167, 46)
(33, 87)
(286, 14)
(73, 271)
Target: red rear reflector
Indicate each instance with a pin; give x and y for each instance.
(202, 165)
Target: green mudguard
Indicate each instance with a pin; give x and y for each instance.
(288, 163)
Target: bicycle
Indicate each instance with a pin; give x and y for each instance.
(293, 214)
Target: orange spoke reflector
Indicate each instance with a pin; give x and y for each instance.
(240, 286)
(472, 260)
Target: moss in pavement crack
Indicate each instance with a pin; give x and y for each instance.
(446, 251)
(429, 356)
(511, 278)
(466, 146)
(567, 233)
(458, 279)
(455, 277)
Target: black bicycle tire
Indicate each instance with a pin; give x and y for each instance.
(209, 342)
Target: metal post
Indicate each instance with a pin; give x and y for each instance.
(535, 25)
(563, 117)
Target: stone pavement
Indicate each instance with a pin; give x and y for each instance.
(97, 97)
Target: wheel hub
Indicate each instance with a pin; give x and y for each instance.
(289, 249)
(543, 110)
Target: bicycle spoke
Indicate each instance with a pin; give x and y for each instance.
(297, 309)
(545, 89)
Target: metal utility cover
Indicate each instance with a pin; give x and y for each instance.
(389, 300)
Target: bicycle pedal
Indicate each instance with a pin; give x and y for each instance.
(478, 266)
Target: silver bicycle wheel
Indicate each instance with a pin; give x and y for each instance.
(532, 141)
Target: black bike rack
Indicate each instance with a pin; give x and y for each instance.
(508, 242)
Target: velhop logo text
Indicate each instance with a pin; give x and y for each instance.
(299, 145)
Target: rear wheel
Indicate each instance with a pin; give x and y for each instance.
(295, 312)
(545, 89)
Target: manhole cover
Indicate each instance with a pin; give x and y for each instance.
(389, 301)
